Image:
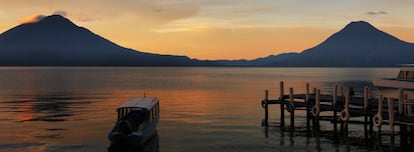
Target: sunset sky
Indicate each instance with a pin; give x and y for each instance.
(218, 29)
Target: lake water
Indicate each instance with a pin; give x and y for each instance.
(202, 109)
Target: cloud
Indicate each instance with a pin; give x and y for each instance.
(376, 13)
(84, 17)
(61, 13)
(81, 17)
(32, 19)
(149, 12)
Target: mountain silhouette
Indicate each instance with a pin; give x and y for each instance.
(358, 44)
(259, 61)
(56, 41)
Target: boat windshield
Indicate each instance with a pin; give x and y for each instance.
(135, 118)
(406, 75)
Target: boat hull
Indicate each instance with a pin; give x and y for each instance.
(135, 139)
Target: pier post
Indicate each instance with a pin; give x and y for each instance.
(408, 108)
(371, 126)
(282, 106)
(400, 101)
(391, 116)
(313, 107)
(345, 113)
(369, 93)
(377, 120)
(266, 121)
(292, 110)
(318, 97)
(366, 94)
(335, 94)
(307, 107)
(307, 93)
(318, 105)
(405, 134)
(348, 96)
(341, 91)
(401, 112)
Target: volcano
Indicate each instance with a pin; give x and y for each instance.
(56, 41)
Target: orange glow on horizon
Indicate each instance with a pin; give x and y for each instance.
(239, 43)
(219, 43)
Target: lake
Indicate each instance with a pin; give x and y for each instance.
(202, 109)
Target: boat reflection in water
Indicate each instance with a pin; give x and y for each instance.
(152, 145)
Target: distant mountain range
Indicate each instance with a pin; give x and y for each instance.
(266, 61)
(56, 41)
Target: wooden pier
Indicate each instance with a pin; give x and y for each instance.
(341, 108)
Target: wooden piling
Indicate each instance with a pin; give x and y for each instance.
(378, 117)
(371, 125)
(408, 108)
(292, 110)
(365, 108)
(266, 121)
(314, 102)
(335, 94)
(307, 107)
(346, 115)
(405, 110)
(401, 112)
(400, 101)
(391, 116)
(282, 106)
(369, 93)
(307, 93)
(366, 98)
(318, 99)
(318, 105)
(347, 98)
(341, 91)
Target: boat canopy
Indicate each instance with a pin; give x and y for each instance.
(140, 102)
(406, 65)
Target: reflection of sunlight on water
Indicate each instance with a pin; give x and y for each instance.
(25, 113)
(202, 109)
(54, 119)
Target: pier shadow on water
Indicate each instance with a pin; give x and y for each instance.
(151, 146)
(326, 140)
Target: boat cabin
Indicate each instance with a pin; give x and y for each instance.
(406, 72)
(137, 113)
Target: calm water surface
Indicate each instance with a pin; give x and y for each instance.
(202, 109)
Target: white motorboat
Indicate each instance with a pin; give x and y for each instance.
(390, 87)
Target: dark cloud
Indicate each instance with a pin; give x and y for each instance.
(376, 13)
